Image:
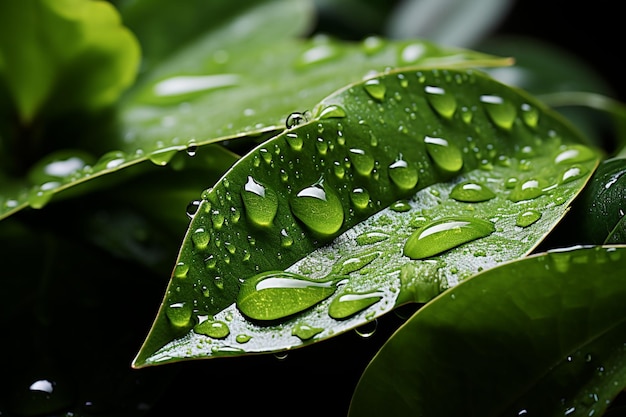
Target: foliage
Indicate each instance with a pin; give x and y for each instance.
(254, 187)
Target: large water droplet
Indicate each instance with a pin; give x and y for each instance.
(528, 217)
(447, 156)
(260, 202)
(375, 89)
(181, 269)
(362, 162)
(200, 238)
(441, 101)
(574, 154)
(319, 208)
(403, 175)
(305, 331)
(332, 111)
(527, 190)
(275, 295)
(216, 329)
(501, 112)
(360, 198)
(350, 303)
(294, 140)
(471, 192)
(295, 118)
(572, 173)
(163, 156)
(179, 314)
(444, 234)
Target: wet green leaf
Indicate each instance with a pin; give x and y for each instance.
(495, 345)
(336, 198)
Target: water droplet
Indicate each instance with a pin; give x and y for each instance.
(40, 196)
(526, 218)
(213, 328)
(411, 53)
(362, 162)
(471, 192)
(441, 235)
(243, 338)
(285, 240)
(193, 84)
(305, 331)
(275, 295)
(192, 208)
(574, 154)
(319, 208)
(446, 155)
(200, 238)
(162, 156)
(181, 269)
(400, 206)
(355, 263)
(572, 173)
(370, 238)
(110, 160)
(316, 54)
(295, 119)
(179, 314)
(530, 115)
(441, 101)
(360, 198)
(375, 89)
(350, 303)
(527, 190)
(322, 146)
(501, 112)
(266, 155)
(260, 202)
(295, 142)
(339, 170)
(466, 115)
(332, 111)
(403, 175)
(372, 44)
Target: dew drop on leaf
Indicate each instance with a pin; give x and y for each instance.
(446, 156)
(243, 338)
(360, 198)
(370, 238)
(572, 173)
(200, 238)
(350, 303)
(332, 111)
(441, 235)
(530, 115)
(181, 269)
(400, 206)
(260, 203)
(573, 154)
(375, 89)
(179, 314)
(213, 328)
(319, 208)
(355, 263)
(527, 190)
(501, 112)
(294, 140)
(403, 175)
(305, 331)
(362, 162)
(526, 218)
(441, 101)
(471, 192)
(275, 295)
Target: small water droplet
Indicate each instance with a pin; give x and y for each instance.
(441, 101)
(181, 269)
(213, 328)
(162, 156)
(403, 175)
(349, 303)
(200, 238)
(471, 192)
(319, 208)
(275, 295)
(110, 160)
(295, 119)
(530, 115)
(527, 190)
(528, 217)
(285, 240)
(400, 206)
(572, 173)
(447, 156)
(444, 234)
(322, 146)
(294, 140)
(305, 331)
(501, 112)
(370, 238)
(332, 111)
(243, 338)
(179, 314)
(373, 44)
(339, 170)
(260, 202)
(360, 198)
(375, 89)
(411, 53)
(573, 154)
(362, 162)
(355, 263)
(466, 115)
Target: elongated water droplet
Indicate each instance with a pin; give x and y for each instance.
(403, 175)
(444, 234)
(275, 295)
(260, 202)
(572, 173)
(362, 162)
(200, 238)
(332, 111)
(40, 196)
(400, 206)
(243, 338)
(527, 190)
(319, 208)
(501, 112)
(355, 263)
(350, 303)
(213, 328)
(181, 269)
(447, 156)
(294, 119)
(526, 218)
(471, 192)
(305, 331)
(360, 198)
(441, 101)
(574, 154)
(179, 314)
(375, 89)
(370, 238)
(294, 140)
(163, 156)
(530, 115)
(110, 160)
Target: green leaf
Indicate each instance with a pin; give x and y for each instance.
(62, 55)
(495, 343)
(311, 204)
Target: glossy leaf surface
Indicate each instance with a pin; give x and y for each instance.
(495, 343)
(375, 164)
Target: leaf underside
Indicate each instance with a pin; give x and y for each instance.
(404, 140)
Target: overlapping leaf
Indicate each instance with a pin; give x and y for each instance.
(495, 344)
(319, 216)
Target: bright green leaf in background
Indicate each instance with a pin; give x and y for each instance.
(540, 336)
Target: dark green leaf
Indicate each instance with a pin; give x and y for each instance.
(543, 336)
(313, 201)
